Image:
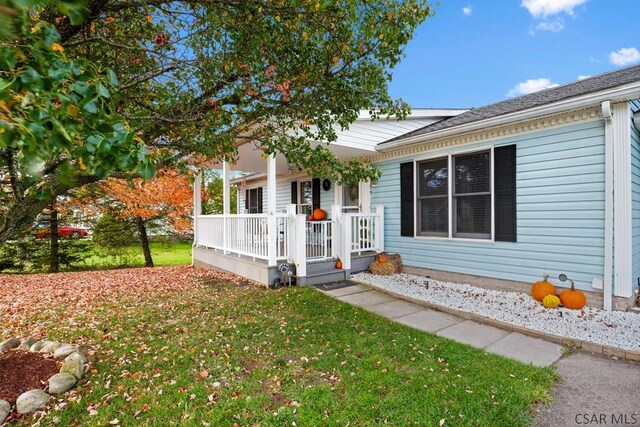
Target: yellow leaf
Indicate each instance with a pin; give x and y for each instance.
(57, 47)
(277, 18)
(381, 36)
(305, 36)
(138, 139)
(73, 110)
(92, 27)
(81, 164)
(149, 19)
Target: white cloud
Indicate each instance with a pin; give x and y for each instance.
(544, 8)
(468, 10)
(530, 86)
(552, 26)
(582, 77)
(625, 56)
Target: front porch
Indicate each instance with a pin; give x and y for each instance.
(255, 245)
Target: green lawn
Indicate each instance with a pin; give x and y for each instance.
(221, 354)
(163, 253)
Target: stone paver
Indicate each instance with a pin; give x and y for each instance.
(495, 340)
(473, 333)
(527, 349)
(364, 299)
(394, 309)
(355, 289)
(429, 320)
(594, 385)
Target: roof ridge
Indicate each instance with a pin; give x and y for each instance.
(591, 84)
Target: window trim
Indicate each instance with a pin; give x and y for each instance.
(449, 155)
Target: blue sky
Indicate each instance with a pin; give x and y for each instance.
(473, 53)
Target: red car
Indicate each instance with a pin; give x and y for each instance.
(64, 231)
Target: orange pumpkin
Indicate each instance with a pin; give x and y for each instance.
(382, 259)
(311, 218)
(542, 288)
(339, 264)
(319, 214)
(573, 299)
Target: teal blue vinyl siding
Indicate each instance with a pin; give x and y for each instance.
(559, 204)
(635, 200)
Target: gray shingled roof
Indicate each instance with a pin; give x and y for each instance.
(536, 99)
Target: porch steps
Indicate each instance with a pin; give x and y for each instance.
(322, 277)
(325, 271)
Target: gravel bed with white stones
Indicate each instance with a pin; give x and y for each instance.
(615, 328)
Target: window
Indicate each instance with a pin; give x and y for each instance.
(305, 197)
(472, 196)
(433, 196)
(253, 200)
(470, 203)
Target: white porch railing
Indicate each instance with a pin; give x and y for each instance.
(318, 237)
(364, 232)
(244, 234)
(296, 239)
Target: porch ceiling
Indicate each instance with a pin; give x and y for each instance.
(250, 157)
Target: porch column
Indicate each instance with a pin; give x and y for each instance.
(197, 205)
(364, 190)
(226, 188)
(380, 228)
(271, 210)
(336, 244)
(226, 205)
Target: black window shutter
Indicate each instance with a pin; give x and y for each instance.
(294, 192)
(259, 199)
(246, 200)
(505, 193)
(315, 193)
(406, 200)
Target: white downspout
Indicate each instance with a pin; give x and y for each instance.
(197, 186)
(608, 205)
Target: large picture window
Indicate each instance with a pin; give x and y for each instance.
(464, 201)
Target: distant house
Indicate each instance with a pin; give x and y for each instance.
(545, 183)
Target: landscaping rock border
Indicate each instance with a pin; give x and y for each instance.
(73, 367)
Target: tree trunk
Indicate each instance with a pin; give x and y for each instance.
(54, 259)
(144, 241)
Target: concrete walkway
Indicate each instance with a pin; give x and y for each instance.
(595, 390)
(494, 340)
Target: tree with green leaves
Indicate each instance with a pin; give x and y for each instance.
(197, 77)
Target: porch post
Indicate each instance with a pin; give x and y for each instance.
(272, 233)
(364, 190)
(197, 204)
(301, 245)
(336, 244)
(291, 234)
(380, 228)
(226, 205)
(346, 242)
(226, 189)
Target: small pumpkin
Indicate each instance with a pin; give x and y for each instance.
(542, 288)
(573, 299)
(551, 301)
(319, 214)
(311, 218)
(382, 259)
(339, 264)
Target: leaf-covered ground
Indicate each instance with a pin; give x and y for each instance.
(186, 346)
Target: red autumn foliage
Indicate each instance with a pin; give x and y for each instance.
(168, 195)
